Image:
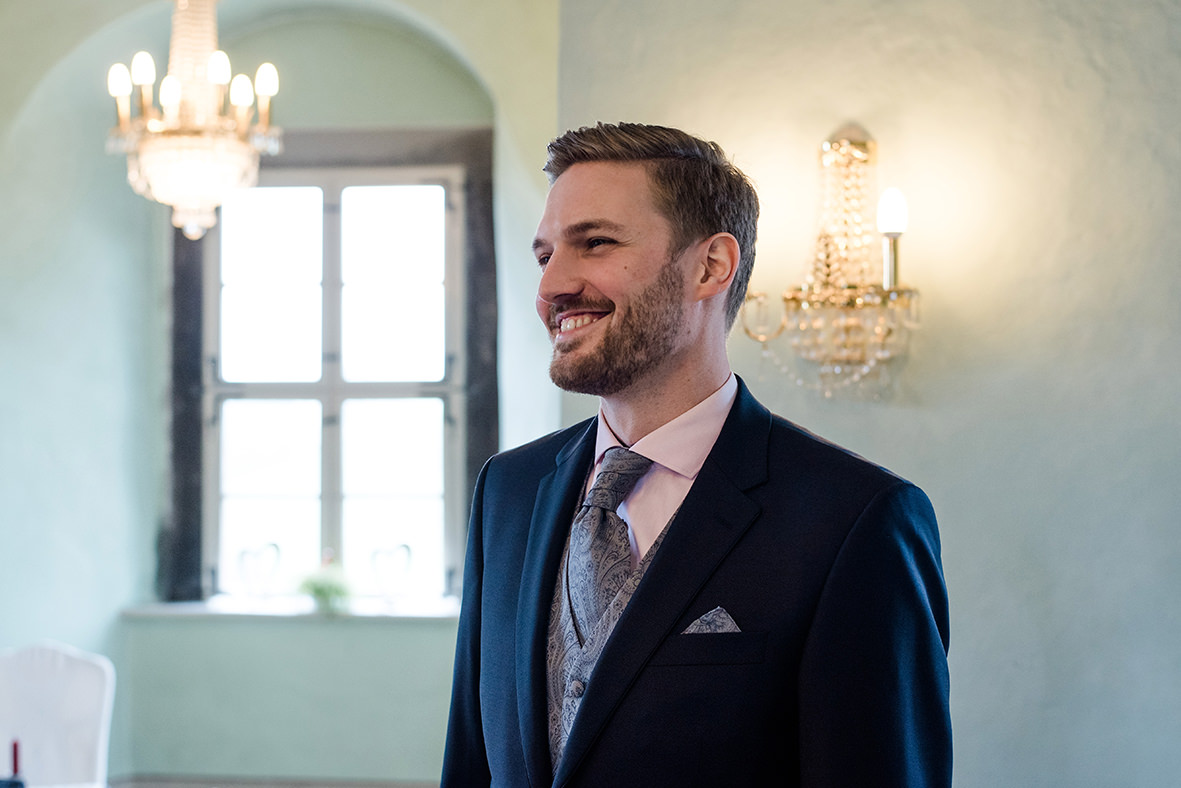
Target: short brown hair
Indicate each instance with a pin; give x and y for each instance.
(696, 187)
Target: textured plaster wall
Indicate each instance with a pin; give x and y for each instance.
(1036, 143)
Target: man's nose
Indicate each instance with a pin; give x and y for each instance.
(559, 280)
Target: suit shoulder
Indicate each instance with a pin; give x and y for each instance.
(820, 458)
(838, 488)
(538, 454)
(794, 452)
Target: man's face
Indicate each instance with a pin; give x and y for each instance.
(611, 294)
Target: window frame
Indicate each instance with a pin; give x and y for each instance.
(332, 390)
(179, 574)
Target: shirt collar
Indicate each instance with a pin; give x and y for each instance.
(682, 444)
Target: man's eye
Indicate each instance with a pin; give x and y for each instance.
(543, 260)
(594, 242)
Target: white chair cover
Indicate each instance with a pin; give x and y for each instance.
(56, 701)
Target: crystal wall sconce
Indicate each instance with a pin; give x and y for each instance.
(851, 319)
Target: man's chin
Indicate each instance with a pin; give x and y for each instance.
(585, 378)
(566, 381)
(570, 376)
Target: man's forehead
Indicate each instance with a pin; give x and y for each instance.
(619, 172)
(597, 195)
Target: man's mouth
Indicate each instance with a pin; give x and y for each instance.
(578, 321)
(570, 323)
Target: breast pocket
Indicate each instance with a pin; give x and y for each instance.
(716, 648)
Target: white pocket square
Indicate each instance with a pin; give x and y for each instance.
(716, 620)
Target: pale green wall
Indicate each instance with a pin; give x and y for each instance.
(82, 360)
(306, 697)
(358, 70)
(83, 371)
(1036, 142)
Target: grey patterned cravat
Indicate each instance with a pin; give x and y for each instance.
(600, 553)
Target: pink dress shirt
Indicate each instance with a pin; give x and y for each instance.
(678, 450)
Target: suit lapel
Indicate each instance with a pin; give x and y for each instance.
(558, 494)
(714, 516)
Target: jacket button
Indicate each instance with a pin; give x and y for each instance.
(577, 688)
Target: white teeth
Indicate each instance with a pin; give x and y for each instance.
(571, 323)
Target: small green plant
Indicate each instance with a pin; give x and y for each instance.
(327, 588)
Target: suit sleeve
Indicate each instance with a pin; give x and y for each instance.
(465, 761)
(874, 681)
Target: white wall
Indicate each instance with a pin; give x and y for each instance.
(1036, 142)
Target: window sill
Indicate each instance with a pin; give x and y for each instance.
(299, 606)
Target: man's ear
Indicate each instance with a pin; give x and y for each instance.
(718, 264)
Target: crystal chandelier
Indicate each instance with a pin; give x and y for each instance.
(202, 141)
(851, 318)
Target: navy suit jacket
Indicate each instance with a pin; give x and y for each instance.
(829, 565)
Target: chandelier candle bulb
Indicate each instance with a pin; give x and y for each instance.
(202, 147)
(119, 86)
(143, 74)
(143, 69)
(264, 111)
(170, 98)
(266, 85)
(218, 72)
(242, 97)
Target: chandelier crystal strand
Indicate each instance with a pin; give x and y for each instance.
(193, 42)
(194, 149)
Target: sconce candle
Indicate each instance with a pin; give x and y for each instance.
(892, 219)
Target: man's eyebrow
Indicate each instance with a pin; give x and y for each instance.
(590, 226)
(579, 229)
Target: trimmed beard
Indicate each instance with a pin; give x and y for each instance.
(645, 336)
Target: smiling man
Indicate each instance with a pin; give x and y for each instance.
(685, 590)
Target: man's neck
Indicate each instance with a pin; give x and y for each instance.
(634, 413)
